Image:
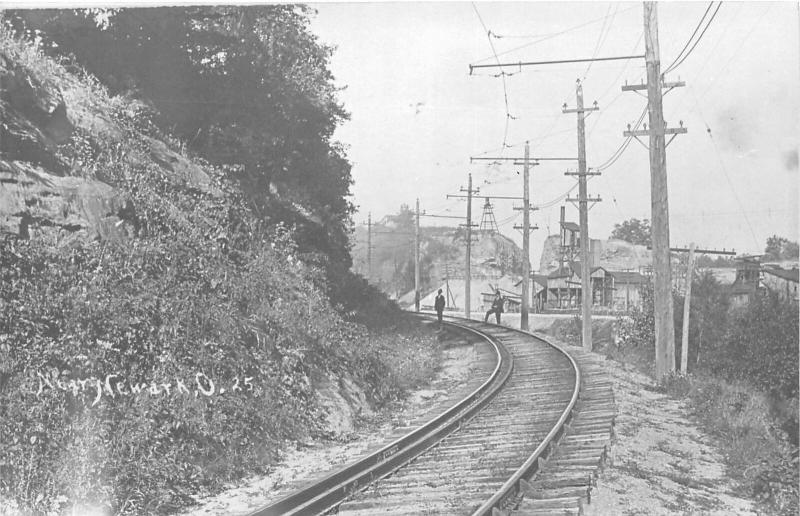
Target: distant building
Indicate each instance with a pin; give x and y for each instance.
(746, 284)
(513, 300)
(563, 289)
(626, 289)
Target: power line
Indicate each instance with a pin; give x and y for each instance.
(616, 82)
(502, 73)
(675, 65)
(689, 41)
(601, 38)
(621, 149)
(736, 52)
(550, 36)
(722, 166)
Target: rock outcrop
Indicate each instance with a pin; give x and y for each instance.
(611, 254)
(184, 172)
(40, 189)
(30, 197)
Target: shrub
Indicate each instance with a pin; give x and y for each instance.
(760, 345)
(755, 447)
(202, 289)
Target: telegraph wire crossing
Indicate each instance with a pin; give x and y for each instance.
(548, 36)
(677, 63)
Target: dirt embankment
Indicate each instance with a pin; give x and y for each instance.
(661, 462)
(358, 431)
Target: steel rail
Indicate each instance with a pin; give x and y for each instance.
(335, 488)
(516, 483)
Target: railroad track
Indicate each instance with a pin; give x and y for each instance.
(487, 454)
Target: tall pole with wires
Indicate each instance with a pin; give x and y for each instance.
(468, 265)
(659, 206)
(662, 281)
(686, 311)
(369, 246)
(583, 209)
(526, 238)
(416, 259)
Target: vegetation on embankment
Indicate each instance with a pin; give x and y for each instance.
(743, 383)
(124, 315)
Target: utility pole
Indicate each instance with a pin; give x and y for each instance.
(526, 232)
(526, 237)
(369, 246)
(662, 282)
(586, 281)
(469, 225)
(468, 272)
(659, 206)
(416, 259)
(686, 303)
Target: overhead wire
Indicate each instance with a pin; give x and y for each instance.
(722, 166)
(550, 36)
(735, 53)
(604, 32)
(677, 63)
(601, 37)
(502, 75)
(621, 149)
(689, 41)
(604, 108)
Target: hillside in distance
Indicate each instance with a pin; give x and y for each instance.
(442, 255)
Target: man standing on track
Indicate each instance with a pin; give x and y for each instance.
(439, 306)
(496, 309)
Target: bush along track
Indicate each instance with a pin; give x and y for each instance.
(742, 384)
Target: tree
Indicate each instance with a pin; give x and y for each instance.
(708, 320)
(634, 231)
(780, 248)
(246, 87)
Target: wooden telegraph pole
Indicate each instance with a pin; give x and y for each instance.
(416, 259)
(526, 240)
(662, 281)
(686, 305)
(468, 266)
(369, 246)
(583, 209)
(468, 225)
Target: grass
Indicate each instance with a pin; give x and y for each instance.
(757, 453)
(138, 459)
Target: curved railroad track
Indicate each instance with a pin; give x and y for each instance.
(481, 456)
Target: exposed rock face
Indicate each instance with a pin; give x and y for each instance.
(33, 117)
(38, 101)
(612, 254)
(185, 172)
(39, 191)
(35, 190)
(30, 197)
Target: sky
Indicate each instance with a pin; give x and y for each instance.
(417, 115)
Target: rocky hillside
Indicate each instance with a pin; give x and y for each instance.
(442, 255)
(611, 254)
(156, 331)
(53, 129)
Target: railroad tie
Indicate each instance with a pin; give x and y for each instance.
(564, 482)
